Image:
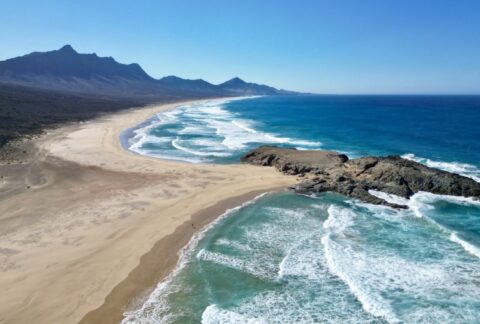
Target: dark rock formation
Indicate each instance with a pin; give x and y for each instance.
(331, 171)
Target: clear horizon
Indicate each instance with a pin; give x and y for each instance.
(325, 47)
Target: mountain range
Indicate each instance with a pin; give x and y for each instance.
(66, 70)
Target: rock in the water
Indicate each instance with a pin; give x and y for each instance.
(332, 171)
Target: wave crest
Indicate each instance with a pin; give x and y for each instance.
(465, 169)
(187, 133)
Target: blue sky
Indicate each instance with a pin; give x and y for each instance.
(335, 46)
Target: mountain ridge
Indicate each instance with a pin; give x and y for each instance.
(238, 85)
(67, 70)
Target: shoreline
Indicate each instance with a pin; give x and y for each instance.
(85, 214)
(157, 264)
(127, 133)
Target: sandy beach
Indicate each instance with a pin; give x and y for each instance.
(88, 228)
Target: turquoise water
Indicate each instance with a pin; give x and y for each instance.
(286, 258)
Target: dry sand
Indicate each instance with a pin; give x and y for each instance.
(87, 228)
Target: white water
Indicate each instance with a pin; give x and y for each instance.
(223, 134)
(470, 248)
(390, 198)
(155, 308)
(464, 169)
(379, 276)
(349, 254)
(386, 281)
(339, 261)
(421, 203)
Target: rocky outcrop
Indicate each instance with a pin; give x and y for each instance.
(332, 171)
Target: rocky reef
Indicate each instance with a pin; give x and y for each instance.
(332, 171)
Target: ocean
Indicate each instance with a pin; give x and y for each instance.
(288, 258)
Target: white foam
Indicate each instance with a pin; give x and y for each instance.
(233, 244)
(215, 315)
(153, 310)
(240, 135)
(465, 169)
(378, 276)
(459, 200)
(205, 113)
(390, 198)
(207, 143)
(246, 265)
(374, 305)
(209, 118)
(380, 279)
(140, 138)
(338, 219)
(302, 260)
(194, 130)
(470, 248)
(265, 243)
(267, 307)
(296, 214)
(243, 125)
(176, 144)
(421, 202)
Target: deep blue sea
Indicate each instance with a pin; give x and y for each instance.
(286, 258)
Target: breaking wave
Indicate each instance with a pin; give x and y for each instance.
(470, 248)
(156, 308)
(400, 268)
(204, 132)
(465, 169)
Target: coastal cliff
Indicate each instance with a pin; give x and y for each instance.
(332, 171)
